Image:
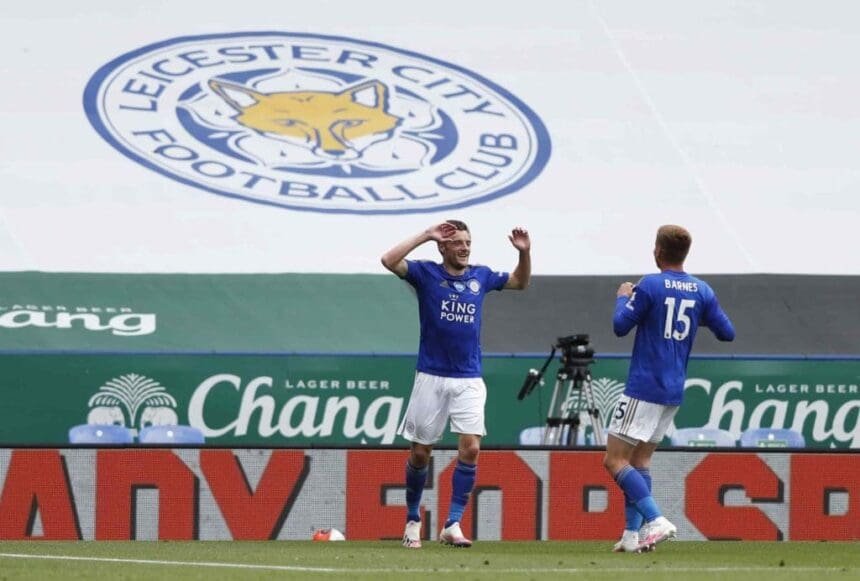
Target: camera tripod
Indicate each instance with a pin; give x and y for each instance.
(571, 396)
(563, 418)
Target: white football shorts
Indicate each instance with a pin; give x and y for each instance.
(434, 399)
(635, 420)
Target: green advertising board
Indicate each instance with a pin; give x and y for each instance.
(307, 400)
(214, 313)
(818, 398)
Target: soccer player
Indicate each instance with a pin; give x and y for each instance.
(666, 309)
(448, 380)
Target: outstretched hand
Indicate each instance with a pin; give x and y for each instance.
(441, 232)
(520, 239)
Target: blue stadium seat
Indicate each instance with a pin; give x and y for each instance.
(100, 434)
(772, 438)
(705, 437)
(170, 435)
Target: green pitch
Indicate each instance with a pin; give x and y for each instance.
(210, 561)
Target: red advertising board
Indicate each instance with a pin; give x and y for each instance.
(181, 494)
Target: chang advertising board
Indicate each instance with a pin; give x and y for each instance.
(246, 400)
(295, 400)
(819, 399)
(118, 321)
(360, 411)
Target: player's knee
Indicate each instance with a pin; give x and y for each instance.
(419, 457)
(469, 453)
(613, 464)
(607, 462)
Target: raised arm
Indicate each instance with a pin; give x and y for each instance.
(522, 273)
(625, 317)
(395, 259)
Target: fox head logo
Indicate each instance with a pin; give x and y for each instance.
(334, 125)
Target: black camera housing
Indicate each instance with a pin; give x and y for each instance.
(572, 340)
(576, 355)
(575, 349)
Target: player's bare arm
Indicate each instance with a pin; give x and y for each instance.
(522, 273)
(395, 259)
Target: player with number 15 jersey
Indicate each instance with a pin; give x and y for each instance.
(667, 308)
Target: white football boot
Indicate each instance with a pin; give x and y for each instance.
(658, 530)
(453, 536)
(412, 535)
(629, 543)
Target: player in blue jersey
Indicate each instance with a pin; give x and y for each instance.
(667, 310)
(448, 380)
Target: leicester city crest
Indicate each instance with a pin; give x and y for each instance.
(317, 123)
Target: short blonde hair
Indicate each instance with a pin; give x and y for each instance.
(674, 241)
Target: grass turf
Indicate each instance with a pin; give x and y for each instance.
(210, 561)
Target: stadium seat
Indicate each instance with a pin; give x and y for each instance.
(533, 436)
(170, 435)
(705, 437)
(772, 438)
(100, 434)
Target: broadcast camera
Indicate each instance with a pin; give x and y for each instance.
(576, 350)
(572, 393)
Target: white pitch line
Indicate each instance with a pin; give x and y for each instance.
(214, 564)
(685, 158)
(297, 568)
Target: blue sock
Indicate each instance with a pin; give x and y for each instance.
(415, 479)
(632, 517)
(464, 481)
(636, 488)
(645, 473)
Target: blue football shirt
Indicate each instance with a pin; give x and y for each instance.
(667, 310)
(449, 309)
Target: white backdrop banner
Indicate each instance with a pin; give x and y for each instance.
(218, 137)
